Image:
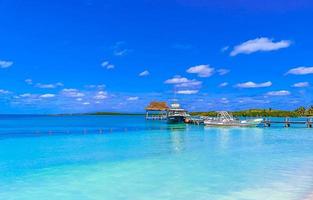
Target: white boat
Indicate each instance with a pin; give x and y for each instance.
(175, 114)
(225, 119)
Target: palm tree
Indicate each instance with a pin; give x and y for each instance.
(310, 111)
(300, 111)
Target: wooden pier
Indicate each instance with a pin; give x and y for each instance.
(156, 117)
(287, 122)
(156, 111)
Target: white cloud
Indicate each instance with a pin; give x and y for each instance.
(278, 93)
(86, 103)
(107, 65)
(187, 91)
(70, 92)
(132, 98)
(144, 73)
(25, 95)
(100, 86)
(110, 66)
(119, 49)
(190, 83)
(177, 80)
(29, 81)
(201, 70)
(251, 84)
(259, 44)
(183, 82)
(224, 100)
(223, 71)
(301, 71)
(5, 64)
(4, 91)
(224, 84)
(49, 86)
(79, 99)
(101, 95)
(47, 96)
(301, 84)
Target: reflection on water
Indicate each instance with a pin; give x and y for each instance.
(153, 160)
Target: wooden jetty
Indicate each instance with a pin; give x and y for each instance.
(287, 122)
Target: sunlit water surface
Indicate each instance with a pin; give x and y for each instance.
(125, 157)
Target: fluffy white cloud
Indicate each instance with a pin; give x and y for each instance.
(4, 91)
(47, 96)
(182, 82)
(49, 86)
(224, 100)
(259, 44)
(25, 95)
(189, 84)
(86, 103)
(101, 95)
(119, 49)
(187, 91)
(201, 70)
(224, 84)
(301, 71)
(223, 71)
(278, 93)
(5, 64)
(251, 84)
(144, 73)
(301, 84)
(70, 92)
(29, 81)
(132, 98)
(107, 65)
(177, 80)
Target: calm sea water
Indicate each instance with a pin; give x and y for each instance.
(123, 157)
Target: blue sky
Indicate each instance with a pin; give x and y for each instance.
(115, 55)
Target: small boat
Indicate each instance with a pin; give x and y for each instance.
(225, 119)
(175, 114)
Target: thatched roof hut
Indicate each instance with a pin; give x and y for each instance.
(157, 106)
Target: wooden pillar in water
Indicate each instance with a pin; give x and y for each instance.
(287, 123)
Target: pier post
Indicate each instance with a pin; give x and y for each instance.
(287, 123)
(309, 123)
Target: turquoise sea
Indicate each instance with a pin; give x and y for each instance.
(126, 157)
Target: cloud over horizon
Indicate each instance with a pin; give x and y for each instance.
(278, 93)
(251, 84)
(5, 64)
(300, 71)
(301, 84)
(259, 44)
(202, 70)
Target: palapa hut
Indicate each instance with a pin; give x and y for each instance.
(156, 110)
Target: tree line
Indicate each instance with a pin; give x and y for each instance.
(299, 112)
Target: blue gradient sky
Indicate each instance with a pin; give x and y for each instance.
(114, 55)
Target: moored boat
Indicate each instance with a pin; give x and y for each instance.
(225, 119)
(175, 114)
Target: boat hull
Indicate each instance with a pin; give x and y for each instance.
(244, 123)
(175, 119)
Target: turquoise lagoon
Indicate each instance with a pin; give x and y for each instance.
(126, 157)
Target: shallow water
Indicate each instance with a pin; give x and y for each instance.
(125, 157)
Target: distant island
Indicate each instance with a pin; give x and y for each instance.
(299, 112)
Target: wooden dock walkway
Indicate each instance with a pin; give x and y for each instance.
(287, 123)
